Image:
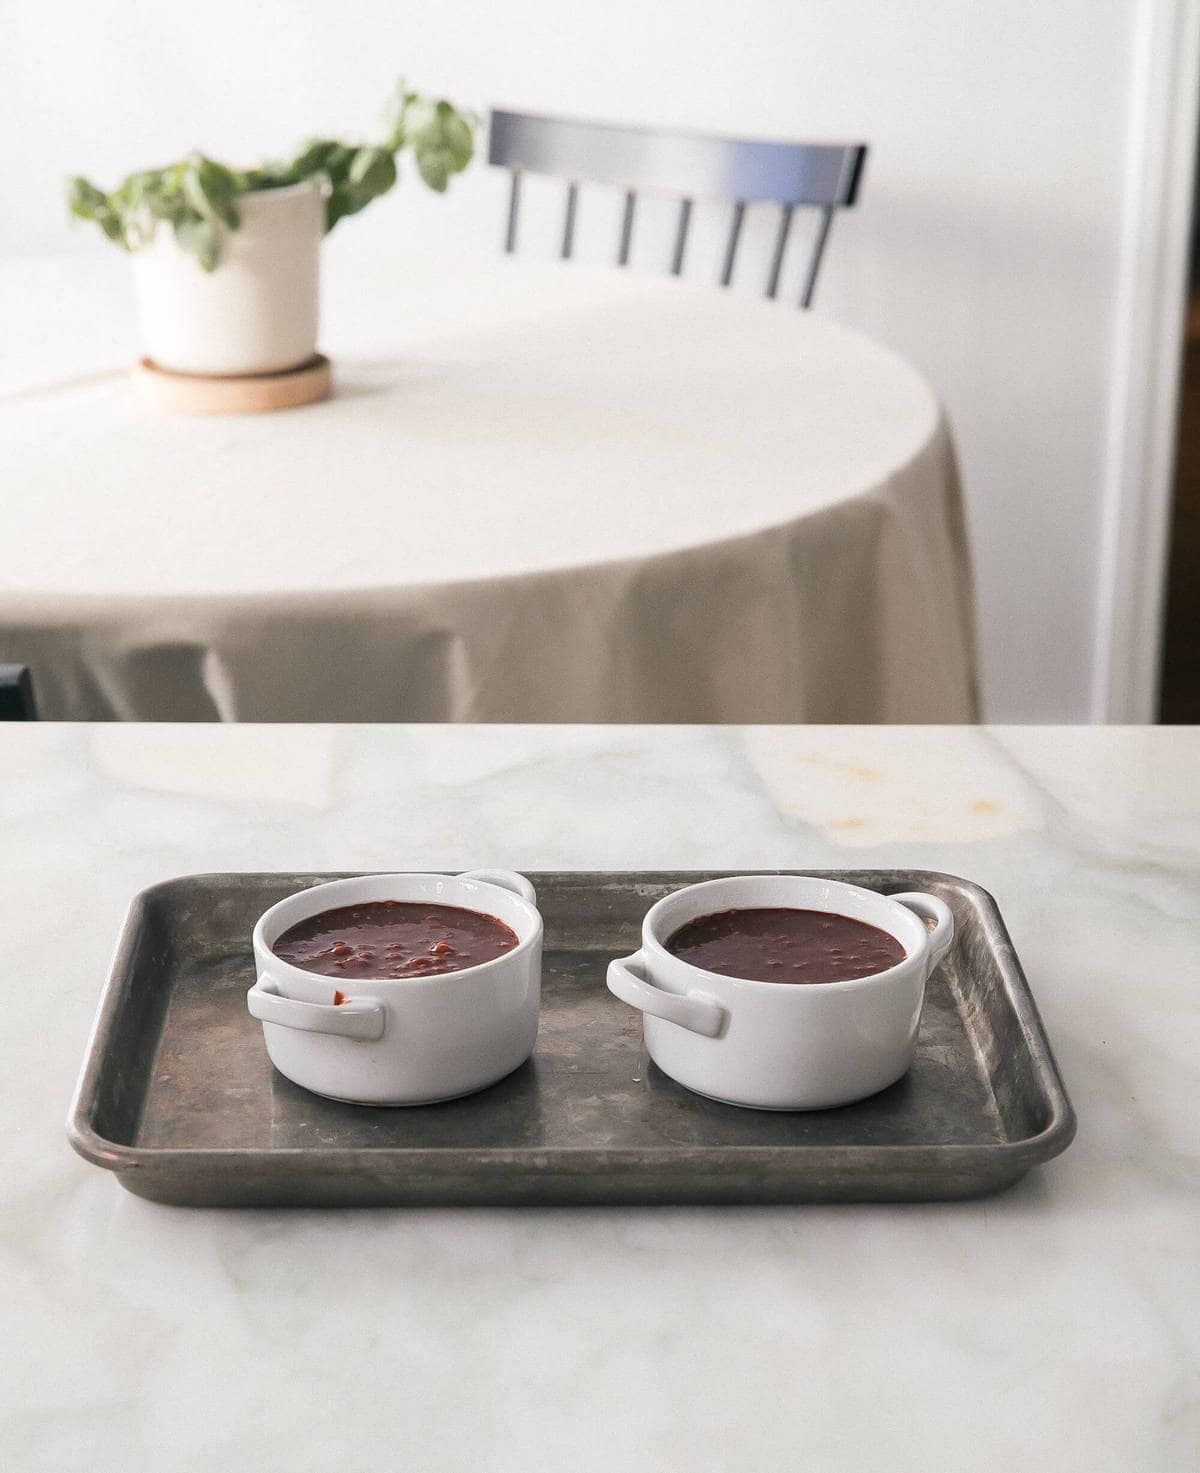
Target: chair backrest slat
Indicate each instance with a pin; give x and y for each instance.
(731, 242)
(781, 241)
(690, 166)
(681, 235)
(626, 228)
(514, 205)
(814, 260)
(568, 240)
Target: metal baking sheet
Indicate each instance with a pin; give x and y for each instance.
(178, 1098)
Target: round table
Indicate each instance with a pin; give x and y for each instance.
(539, 493)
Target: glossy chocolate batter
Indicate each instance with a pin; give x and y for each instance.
(393, 938)
(778, 944)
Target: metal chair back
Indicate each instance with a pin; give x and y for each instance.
(689, 166)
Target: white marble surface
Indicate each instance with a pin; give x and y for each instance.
(1055, 1327)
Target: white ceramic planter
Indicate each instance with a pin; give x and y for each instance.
(773, 1046)
(258, 311)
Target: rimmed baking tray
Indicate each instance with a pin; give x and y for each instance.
(178, 1098)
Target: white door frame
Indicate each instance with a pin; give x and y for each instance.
(1147, 350)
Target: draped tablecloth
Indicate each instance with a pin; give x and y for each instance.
(540, 493)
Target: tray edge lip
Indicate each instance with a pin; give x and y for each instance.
(115, 1156)
(82, 1135)
(118, 1157)
(1063, 1123)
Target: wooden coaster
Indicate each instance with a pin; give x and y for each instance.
(254, 393)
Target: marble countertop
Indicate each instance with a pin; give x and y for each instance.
(1056, 1326)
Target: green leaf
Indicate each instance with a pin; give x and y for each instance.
(342, 201)
(210, 188)
(251, 180)
(442, 140)
(398, 118)
(337, 166)
(435, 166)
(372, 171)
(139, 188)
(317, 157)
(198, 235)
(112, 227)
(85, 200)
(459, 139)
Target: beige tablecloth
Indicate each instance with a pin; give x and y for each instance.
(540, 494)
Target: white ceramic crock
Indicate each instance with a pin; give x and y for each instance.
(781, 1046)
(257, 311)
(408, 1040)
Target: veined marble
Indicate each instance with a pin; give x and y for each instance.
(1056, 1327)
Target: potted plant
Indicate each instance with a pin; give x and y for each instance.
(226, 260)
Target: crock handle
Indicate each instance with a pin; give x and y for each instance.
(929, 907)
(693, 1009)
(507, 879)
(362, 1019)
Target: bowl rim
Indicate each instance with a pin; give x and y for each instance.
(912, 957)
(524, 944)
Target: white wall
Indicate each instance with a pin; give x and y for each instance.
(986, 248)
